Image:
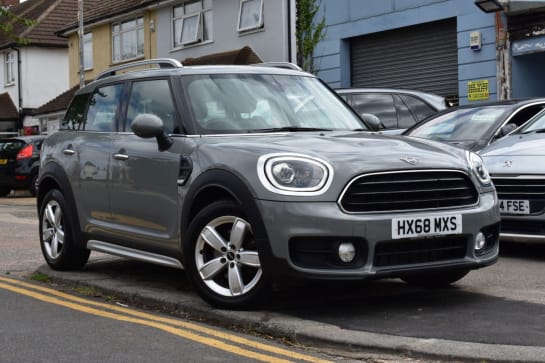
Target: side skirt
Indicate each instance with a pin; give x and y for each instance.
(134, 254)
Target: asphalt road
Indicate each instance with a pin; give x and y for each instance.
(501, 305)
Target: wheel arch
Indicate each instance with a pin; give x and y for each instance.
(52, 176)
(218, 184)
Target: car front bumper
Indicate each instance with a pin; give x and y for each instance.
(304, 240)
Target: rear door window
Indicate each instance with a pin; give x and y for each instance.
(404, 116)
(419, 108)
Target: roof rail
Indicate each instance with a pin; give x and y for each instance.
(286, 65)
(161, 62)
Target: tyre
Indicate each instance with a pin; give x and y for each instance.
(221, 258)
(33, 188)
(4, 192)
(57, 234)
(435, 279)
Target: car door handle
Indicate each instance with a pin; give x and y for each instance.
(121, 156)
(68, 152)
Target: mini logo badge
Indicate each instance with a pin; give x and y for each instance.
(409, 160)
(507, 163)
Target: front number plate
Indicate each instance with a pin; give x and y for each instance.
(426, 226)
(514, 206)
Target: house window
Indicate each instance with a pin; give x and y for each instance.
(128, 39)
(10, 68)
(250, 15)
(88, 51)
(192, 23)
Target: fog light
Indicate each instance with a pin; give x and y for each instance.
(480, 241)
(347, 252)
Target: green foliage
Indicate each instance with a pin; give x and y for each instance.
(8, 19)
(308, 33)
(40, 277)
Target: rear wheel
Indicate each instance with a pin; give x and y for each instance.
(435, 279)
(57, 234)
(221, 257)
(33, 188)
(4, 192)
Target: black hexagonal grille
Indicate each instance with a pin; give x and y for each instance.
(531, 189)
(409, 190)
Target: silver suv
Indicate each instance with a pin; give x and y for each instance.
(248, 175)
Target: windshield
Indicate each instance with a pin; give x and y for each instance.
(236, 103)
(461, 124)
(537, 124)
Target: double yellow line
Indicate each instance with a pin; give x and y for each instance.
(190, 331)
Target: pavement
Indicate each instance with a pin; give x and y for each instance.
(323, 316)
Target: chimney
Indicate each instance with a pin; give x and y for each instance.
(9, 3)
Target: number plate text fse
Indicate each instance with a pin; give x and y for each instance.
(426, 226)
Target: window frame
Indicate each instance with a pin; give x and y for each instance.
(9, 68)
(260, 24)
(196, 36)
(204, 29)
(138, 30)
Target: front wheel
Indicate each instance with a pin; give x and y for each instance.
(435, 279)
(57, 232)
(221, 257)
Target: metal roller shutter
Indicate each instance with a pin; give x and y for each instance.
(422, 57)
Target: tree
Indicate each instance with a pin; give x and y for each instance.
(308, 33)
(7, 21)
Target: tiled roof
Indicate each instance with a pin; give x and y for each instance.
(97, 10)
(8, 111)
(239, 56)
(59, 103)
(50, 15)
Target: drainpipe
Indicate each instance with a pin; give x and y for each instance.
(503, 59)
(19, 86)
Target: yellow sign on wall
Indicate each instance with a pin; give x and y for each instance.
(478, 90)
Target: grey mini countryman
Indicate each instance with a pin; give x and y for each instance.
(248, 175)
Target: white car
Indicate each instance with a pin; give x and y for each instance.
(517, 166)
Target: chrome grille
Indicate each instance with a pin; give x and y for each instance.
(409, 190)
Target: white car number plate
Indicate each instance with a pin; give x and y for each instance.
(514, 206)
(426, 226)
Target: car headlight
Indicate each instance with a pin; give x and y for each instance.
(477, 166)
(294, 174)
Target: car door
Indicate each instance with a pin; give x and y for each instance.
(86, 154)
(144, 201)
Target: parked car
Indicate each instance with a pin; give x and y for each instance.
(19, 163)
(248, 175)
(475, 126)
(517, 166)
(396, 109)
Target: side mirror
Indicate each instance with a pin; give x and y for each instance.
(373, 121)
(506, 129)
(147, 125)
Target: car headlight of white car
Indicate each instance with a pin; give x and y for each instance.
(294, 174)
(477, 166)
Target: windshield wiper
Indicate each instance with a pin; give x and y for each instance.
(290, 129)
